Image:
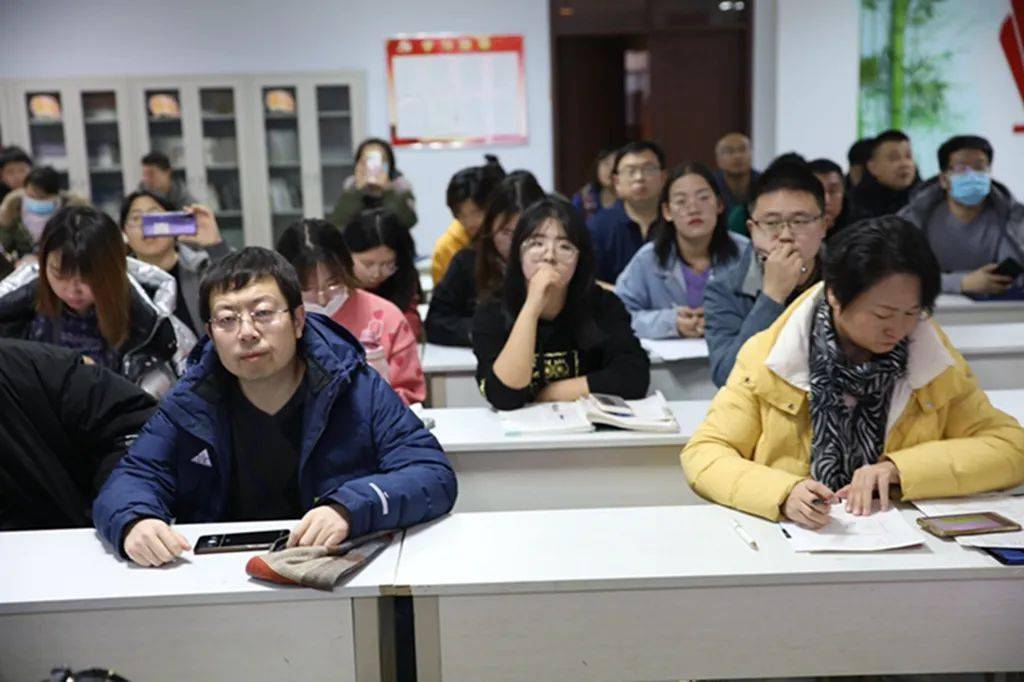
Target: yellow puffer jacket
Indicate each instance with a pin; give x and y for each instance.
(454, 239)
(943, 434)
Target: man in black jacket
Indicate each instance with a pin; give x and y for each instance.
(64, 424)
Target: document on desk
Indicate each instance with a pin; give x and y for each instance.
(1010, 506)
(848, 533)
(546, 418)
(671, 350)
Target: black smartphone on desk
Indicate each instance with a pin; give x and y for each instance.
(239, 542)
(1010, 267)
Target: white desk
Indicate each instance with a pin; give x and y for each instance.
(605, 468)
(660, 593)
(427, 285)
(451, 376)
(955, 310)
(995, 352)
(64, 599)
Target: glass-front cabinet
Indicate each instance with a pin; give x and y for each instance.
(261, 150)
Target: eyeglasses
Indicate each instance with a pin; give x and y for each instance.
(229, 322)
(318, 295)
(965, 167)
(537, 247)
(646, 171)
(797, 224)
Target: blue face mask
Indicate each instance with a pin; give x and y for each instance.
(970, 187)
(39, 206)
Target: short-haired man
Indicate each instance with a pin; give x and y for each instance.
(787, 225)
(279, 417)
(638, 174)
(830, 175)
(972, 223)
(158, 178)
(735, 175)
(856, 158)
(890, 176)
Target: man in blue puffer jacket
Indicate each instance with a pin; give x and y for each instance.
(278, 417)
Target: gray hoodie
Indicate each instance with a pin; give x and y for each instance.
(1002, 213)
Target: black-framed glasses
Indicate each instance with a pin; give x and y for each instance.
(796, 224)
(229, 322)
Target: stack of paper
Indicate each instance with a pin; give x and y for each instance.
(849, 533)
(671, 350)
(1008, 505)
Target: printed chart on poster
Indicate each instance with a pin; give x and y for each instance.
(456, 90)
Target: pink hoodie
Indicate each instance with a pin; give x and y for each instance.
(385, 333)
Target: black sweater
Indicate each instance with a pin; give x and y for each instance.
(450, 317)
(599, 344)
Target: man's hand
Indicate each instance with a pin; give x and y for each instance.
(985, 281)
(151, 542)
(782, 272)
(326, 525)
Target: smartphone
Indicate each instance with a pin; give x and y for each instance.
(967, 524)
(1006, 555)
(1010, 267)
(376, 166)
(170, 224)
(239, 542)
(613, 404)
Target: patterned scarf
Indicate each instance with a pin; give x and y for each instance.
(849, 403)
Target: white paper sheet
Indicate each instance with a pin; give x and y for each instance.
(546, 418)
(671, 350)
(848, 533)
(1012, 507)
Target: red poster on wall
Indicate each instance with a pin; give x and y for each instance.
(456, 90)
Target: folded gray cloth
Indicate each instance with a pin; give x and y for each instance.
(317, 567)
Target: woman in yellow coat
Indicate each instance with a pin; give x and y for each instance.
(854, 389)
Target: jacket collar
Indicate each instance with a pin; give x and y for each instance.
(198, 402)
(789, 358)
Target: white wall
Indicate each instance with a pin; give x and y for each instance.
(817, 62)
(111, 37)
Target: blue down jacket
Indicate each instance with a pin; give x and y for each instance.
(361, 447)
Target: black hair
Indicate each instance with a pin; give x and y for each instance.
(158, 159)
(239, 269)
(388, 152)
(310, 241)
(786, 173)
(789, 157)
(891, 135)
(873, 249)
(45, 178)
(958, 142)
(824, 166)
(126, 204)
(602, 154)
(474, 183)
(14, 155)
(721, 248)
(375, 227)
(860, 151)
(639, 147)
(582, 282)
(513, 195)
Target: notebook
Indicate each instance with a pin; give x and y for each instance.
(650, 414)
(848, 533)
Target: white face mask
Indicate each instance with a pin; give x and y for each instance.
(332, 306)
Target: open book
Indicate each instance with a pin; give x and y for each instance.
(650, 414)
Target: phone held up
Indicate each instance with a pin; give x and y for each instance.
(169, 224)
